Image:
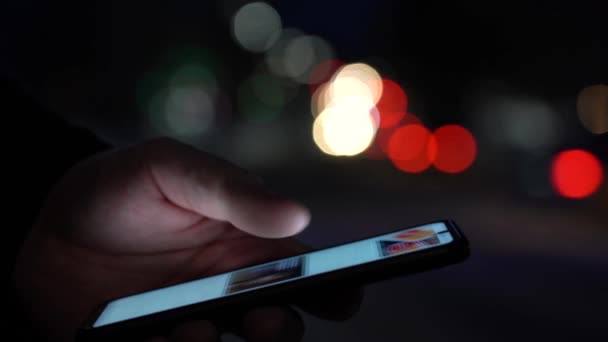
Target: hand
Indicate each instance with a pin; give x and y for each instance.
(151, 215)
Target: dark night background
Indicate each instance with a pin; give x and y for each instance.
(539, 260)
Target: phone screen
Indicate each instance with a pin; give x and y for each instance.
(275, 272)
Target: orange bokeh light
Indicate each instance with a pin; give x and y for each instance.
(453, 150)
(408, 148)
(576, 173)
(392, 105)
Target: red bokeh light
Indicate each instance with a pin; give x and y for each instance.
(379, 148)
(408, 148)
(453, 150)
(392, 105)
(323, 72)
(576, 173)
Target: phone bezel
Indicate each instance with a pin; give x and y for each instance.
(434, 257)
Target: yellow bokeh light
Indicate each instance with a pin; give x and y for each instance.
(346, 87)
(346, 116)
(345, 128)
(318, 135)
(592, 108)
(319, 100)
(357, 79)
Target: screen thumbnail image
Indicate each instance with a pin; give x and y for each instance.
(408, 241)
(265, 274)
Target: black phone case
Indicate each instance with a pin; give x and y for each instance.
(220, 310)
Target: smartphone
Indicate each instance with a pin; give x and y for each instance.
(376, 258)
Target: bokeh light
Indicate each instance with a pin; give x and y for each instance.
(180, 96)
(576, 173)
(322, 73)
(379, 148)
(522, 122)
(193, 75)
(347, 87)
(318, 135)
(275, 57)
(303, 54)
(392, 104)
(345, 108)
(296, 55)
(357, 79)
(592, 108)
(454, 149)
(345, 128)
(256, 26)
(188, 111)
(408, 148)
(319, 99)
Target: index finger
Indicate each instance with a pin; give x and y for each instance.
(216, 189)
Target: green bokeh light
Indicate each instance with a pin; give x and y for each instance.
(188, 74)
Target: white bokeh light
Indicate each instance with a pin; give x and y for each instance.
(188, 111)
(357, 79)
(302, 54)
(345, 128)
(256, 26)
(275, 57)
(519, 121)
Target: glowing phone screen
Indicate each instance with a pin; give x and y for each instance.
(275, 272)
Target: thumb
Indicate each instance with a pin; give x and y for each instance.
(201, 183)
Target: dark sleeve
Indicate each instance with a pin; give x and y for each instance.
(39, 148)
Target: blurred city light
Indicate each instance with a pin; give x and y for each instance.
(275, 57)
(592, 108)
(357, 79)
(318, 135)
(256, 26)
(188, 111)
(180, 96)
(576, 173)
(322, 73)
(347, 87)
(319, 99)
(408, 148)
(379, 148)
(346, 116)
(454, 149)
(185, 111)
(193, 75)
(345, 128)
(303, 54)
(392, 104)
(518, 121)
